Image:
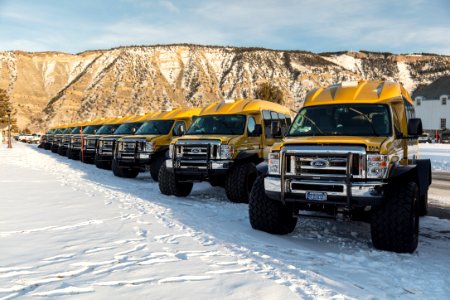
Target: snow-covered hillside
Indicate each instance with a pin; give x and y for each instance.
(67, 228)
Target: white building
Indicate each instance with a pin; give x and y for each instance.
(435, 113)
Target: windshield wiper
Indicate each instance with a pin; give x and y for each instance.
(365, 116)
(314, 123)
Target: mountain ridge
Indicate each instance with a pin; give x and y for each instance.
(48, 88)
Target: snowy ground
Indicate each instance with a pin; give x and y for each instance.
(439, 155)
(67, 228)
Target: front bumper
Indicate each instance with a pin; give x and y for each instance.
(134, 159)
(202, 167)
(360, 193)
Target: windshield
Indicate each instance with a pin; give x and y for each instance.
(156, 127)
(67, 130)
(128, 128)
(58, 131)
(342, 120)
(91, 129)
(218, 124)
(75, 130)
(50, 131)
(108, 129)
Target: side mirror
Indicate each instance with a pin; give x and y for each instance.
(415, 127)
(95, 131)
(179, 131)
(133, 130)
(275, 129)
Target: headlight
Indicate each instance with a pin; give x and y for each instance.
(377, 165)
(274, 163)
(149, 147)
(226, 152)
(171, 147)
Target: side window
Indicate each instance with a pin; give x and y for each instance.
(282, 119)
(176, 128)
(251, 125)
(410, 113)
(274, 116)
(267, 122)
(288, 120)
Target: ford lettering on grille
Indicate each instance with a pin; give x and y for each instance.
(196, 150)
(320, 163)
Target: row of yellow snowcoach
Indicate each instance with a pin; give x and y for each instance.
(351, 151)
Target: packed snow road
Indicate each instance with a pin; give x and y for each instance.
(67, 228)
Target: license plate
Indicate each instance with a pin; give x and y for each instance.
(316, 196)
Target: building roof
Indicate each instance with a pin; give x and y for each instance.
(434, 90)
(363, 91)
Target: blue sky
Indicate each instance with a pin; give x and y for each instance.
(403, 26)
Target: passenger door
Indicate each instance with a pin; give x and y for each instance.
(254, 138)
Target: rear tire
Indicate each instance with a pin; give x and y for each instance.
(395, 224)
(423, 205)
(269, 215)
(239, 182)
(156, 166)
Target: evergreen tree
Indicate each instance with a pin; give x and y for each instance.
(269, 92)
(5, 105)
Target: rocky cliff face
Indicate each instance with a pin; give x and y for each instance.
(51, 88)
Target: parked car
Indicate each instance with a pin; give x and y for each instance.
(424, 138)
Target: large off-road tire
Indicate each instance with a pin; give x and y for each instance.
(87, 160)
(168, 184)
(269, 215)
(156, 166)
(54, 149)
(106, 165)
(395, 224)
(69, 153)
(182, 189)
(239, 181)
(423, 205)
(164, 180)
(61, 151)
(124, 172)
(115, 168)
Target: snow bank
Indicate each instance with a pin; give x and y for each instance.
(439, 154)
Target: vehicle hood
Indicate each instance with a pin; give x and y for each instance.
(224, 139)
(110, 137)
(148, 138)
(371, 144)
